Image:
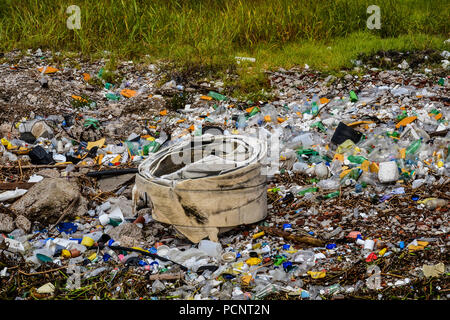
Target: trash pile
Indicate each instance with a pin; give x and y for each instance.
(356, 204)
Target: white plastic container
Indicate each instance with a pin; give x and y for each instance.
(211, 248)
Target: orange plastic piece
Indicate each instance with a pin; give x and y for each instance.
(48, 70)
(405, 121)
(79, 98)
(374, 167)
(339, 157)
(86, 76)
(128, 93)
(324, 100)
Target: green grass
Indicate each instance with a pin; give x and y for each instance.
(278, 33)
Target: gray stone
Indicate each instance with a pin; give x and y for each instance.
(127, 233)
(124, 204)
(49, 173)
(47, 200)
(109, 184)
(6, 223)
(23, 223)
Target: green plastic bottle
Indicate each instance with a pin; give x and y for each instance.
(217, 96)
(315, 108)
(413, 147)
(151, 147)
(308, 190)
(332, 195)
(356, 159)
(254, 111)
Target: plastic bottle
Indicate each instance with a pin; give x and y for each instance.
(356, 159)
(413, 147)
(332, 195)
(308, 190)
(329, 184)
(241, 122)
(300, 167)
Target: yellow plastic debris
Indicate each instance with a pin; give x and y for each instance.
(100, 158)
(253, 261)
(413, 248)
(256, 246)
(7, 144)
(344, 173)
(267, 118)
(163, 112)
(246, 279)
(317, 274)
(339, 157)
(374, 167)
(382, 252)
(258, 235)
(79, 98)
(92, 256)
(99, 143)
(116, 159)
(66, 253)
(365, 165)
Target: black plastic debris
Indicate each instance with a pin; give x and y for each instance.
(39, 156)
(344, 132)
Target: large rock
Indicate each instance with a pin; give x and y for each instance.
(124, 204)
(23, 223)
(47, 200)
(129, 234)
(6, 223)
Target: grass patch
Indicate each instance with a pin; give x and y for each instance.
(201, 38)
